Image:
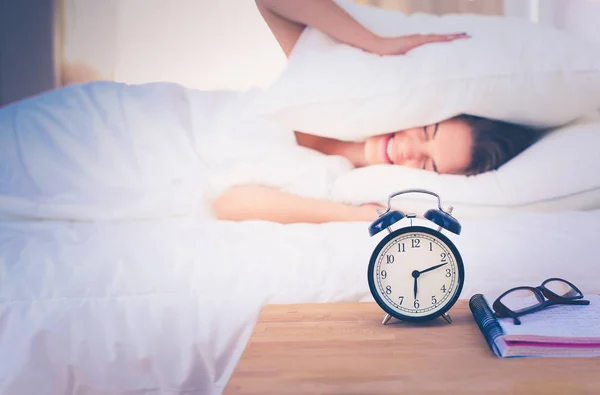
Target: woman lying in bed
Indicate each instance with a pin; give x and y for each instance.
(461, 145)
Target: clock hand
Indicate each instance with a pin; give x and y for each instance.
(416, 287)
(415, 275)
(432, 268)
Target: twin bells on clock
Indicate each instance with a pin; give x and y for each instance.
(438, 216)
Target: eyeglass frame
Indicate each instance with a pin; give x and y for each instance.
(545, 296)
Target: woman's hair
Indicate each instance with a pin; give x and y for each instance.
(496, 142)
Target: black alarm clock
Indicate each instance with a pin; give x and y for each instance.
(415, 273)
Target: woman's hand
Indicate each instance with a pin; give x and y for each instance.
(403, 44)
(288, 18)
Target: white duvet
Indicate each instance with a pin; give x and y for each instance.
(107, 150)
(167, 306)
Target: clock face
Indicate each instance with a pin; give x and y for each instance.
(415, 274)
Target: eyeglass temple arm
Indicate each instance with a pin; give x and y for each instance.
(579, 301)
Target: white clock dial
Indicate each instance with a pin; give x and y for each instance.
(416, 274)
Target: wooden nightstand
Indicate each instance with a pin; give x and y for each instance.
(342, 348)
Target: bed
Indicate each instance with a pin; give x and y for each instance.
(167, 306)
(114, 281)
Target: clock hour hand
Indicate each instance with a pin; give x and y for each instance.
(432, 268)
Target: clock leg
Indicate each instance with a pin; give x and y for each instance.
(446, 316)
(386, 319)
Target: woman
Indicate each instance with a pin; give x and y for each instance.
(152, 149)
(461, 145)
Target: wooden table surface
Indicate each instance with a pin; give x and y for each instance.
(342, 348)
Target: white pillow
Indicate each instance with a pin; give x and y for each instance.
(510, 70)
(558, 173)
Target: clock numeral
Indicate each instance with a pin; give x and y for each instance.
(443, 289)
(401, 247)
(443, 256)
(416, 304)
(390, 259)
(383, 274)
(430, 246)
(448, 272)
(401, 299)
(415, 243)
(433, 300)
(388, 289)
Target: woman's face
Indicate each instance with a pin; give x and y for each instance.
(444, 147)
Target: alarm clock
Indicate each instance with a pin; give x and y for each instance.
(415, 273)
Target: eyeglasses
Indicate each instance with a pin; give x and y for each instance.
(519, 301)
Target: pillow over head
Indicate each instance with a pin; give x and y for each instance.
(510, 70)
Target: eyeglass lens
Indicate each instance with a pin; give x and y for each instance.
(521, 299)
(562, 289)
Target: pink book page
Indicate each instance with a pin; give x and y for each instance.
(552, 345)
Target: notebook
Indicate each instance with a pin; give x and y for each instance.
(557, 331)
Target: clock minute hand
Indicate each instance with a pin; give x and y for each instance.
(432, 268)
(415, 274)
(415, 287)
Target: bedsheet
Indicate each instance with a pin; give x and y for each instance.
(167, 306)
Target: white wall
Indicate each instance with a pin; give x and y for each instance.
(90, 36)
(580, 17)
(204, 44)
(225, 44)
(520, 9)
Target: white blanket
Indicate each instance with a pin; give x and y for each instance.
(167, 306)
(107, 150)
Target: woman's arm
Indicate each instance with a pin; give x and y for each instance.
(288, 18)
(254, 202)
